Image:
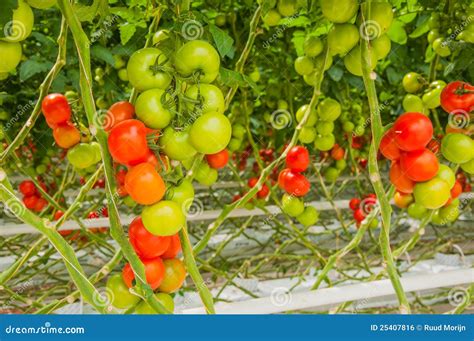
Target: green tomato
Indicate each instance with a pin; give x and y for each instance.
(313, 116)
(150, 109)
(329, 109)
(83, 155)
(210, 133)
(303, 65)
(272, 18)
(457, 148)
(312, 46)
(182, 194)
(164, 218)
(339, 11)
(449, 213)
(200, 58)
(291, 205)
(441, 47)
(282, 104)
(353, 62)
(359, 130)
(348, 126)
(309, 217)
(416, 211)
(445, 173)
(234, 144)
(433, 35)
(432, 194)
(123, 75)
(11, 56)
(145, 309)
(41, 4)
(21, 25)
(331, 174)
(118, 62)
(176, 144)
(342, 38)
(381, 46)
(287, 8)
(143, 69)
(468, 167)
(412, 82)
(382, 14)
(413, 103)
(325, 142)
(206, 175)
(325, 127)
(431, 99)
(307, 135)
(374, 223)
(211, 97)
(238, 131)
(341, 164)
(433, 21)
(41, 169)
(255, 75)
(120, 295)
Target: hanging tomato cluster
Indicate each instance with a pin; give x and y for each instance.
(31, 197)
(361, 208)
(296, 185)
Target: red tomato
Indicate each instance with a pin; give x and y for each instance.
(388, 146)
(117, 113)
(146, 245)
(399, 179)
(458, 96)
(296, 184)
(154, 272)
(413, 131)
(144, 184)
(252, 182)
(359, 215)
(173, 249)
(27, 188)
(297, 159)
(56, 109)
(420, 165)
(337, 152)
(354, 204)
(120, 176)
(66, 135)
(456, 190)
(282, 177)
(40, 205)
(30, 201)
(218, 160)
(127, 142)
(58, 215)
(263, 192)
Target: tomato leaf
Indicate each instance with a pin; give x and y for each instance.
(223, 41)
(126, 32)
(233, 78)
(6, 14)
(33, 66)
(397, 32)
(420, 29)
(103, 53)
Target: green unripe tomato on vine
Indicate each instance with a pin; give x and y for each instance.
(21, 25)
(312, 46)
(440, 46)
(339, 11)
(11, 56)
(121, 296)
(145, 309)
(303, 66)
(307, 135)
(291, 205)
(324, 142)
(164, 218)
(412, 82)
(272, 18)
(41, 4)
(309, 217)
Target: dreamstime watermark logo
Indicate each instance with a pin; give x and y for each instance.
(105, 119)
(453, 214)
(370, 30)
(281, 119)
(192, 29)
(14, 30)
(18, 291)
(21, 110)
(280, 297)
(106, 25)
(367, 205)
(279, 31)
(13, 208)
(458, 119)
(192, 207)
(359, 130)
(457, 296)
(103, 298)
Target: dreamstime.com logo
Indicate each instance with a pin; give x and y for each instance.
(46, 329)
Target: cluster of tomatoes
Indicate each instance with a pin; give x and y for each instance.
(31, 197)
(361, 208)
(296, 185)
(422, 183)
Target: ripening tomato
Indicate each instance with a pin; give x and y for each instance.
(399, 179)
(56, 109)
(297, 159)
(296, 184)
(218, 160)
(146, 245)
(173, 249)
(144, 184)
(388, 146)
(458, 96)
(117, 113)
(354, 203)
(27, 188)
(337, 152)
(456, 190)
(154, 272)
(175, 273)
(413, 131)
(127, 142)
(402, 200)
(66, 135)
(420, 165)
